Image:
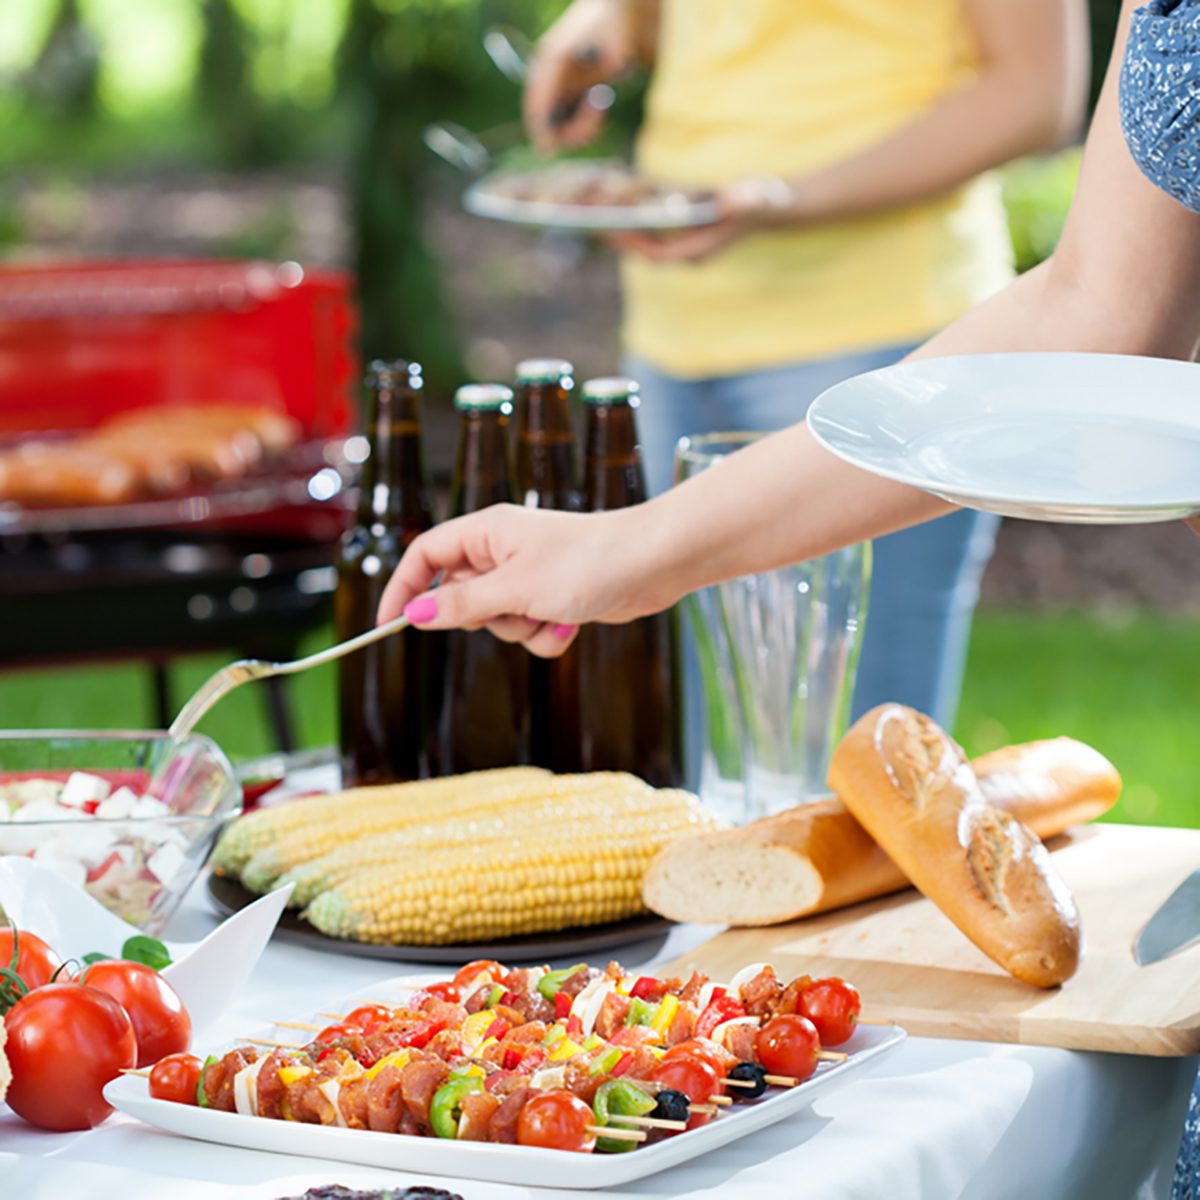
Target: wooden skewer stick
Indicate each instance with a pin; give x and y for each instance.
(826, 1056)
(874, 1021)
(706, 1109)
(273, 1045)
(618, 1135)
(140, 1072)
(303, 1025)
(742, 1083)
(649, 1122)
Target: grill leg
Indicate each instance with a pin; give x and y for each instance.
(280, 713)
(162, 695)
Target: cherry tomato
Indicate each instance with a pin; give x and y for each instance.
(694, 1077)
(480, 966)
(788, 1045)
(175, 1078)
(832, 1005)
(449, 992)
(65, 1042)
(159, 1019)
(334, 1033)
(365, 1018)
(556, 1120)
(720, 1060)
(36, 962)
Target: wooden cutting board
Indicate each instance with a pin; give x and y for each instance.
(913, 965)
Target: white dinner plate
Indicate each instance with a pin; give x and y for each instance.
(1079, 438)
(673, 211)
(481, 1160)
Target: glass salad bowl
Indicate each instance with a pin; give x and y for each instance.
(129, 817)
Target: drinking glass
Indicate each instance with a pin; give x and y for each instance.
(776, 654)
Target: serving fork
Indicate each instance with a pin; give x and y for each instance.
(220, 684)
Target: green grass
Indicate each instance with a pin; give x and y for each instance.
(1128, 687)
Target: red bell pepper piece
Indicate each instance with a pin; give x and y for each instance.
(423, 1034)
(720, 1008)
(562, 1006)
(508, 999)
(497, 1029)
(623, 1065)
(531, 1060)
(644, 988)
(574, 1026)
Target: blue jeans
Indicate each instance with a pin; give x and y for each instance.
(925, 581)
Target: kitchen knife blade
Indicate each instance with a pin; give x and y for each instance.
(1173, 927)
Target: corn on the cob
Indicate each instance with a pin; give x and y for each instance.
(620, 799)
(467, 796)
(256, 830)
(527, 882)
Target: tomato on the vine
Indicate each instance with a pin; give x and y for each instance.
(65, 1042)
(556, 1120)
(36, 961)
(832, 1005)
(175, 1078)
(787, 1045)
(160, 1021)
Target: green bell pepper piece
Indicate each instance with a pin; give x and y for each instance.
(641, 1012)
(445, 1108)
(618, 1097)
(552, 981)
(201, 1095)
(604, 1062)
(493, 997)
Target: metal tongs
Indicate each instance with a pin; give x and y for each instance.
(219, 685)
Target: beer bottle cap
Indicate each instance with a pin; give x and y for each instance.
(477, 396)
(613, 389)
(384, 371)
(545, 370)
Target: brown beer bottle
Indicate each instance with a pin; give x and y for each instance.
(386, 719)
(485, 713)
(629, 711)
(546, 478)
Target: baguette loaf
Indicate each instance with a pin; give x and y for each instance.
(816, 857)
(910, 786)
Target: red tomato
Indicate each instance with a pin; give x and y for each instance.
(159, 1019)
(334, 1033)
(692, 1076)
(556, 1120)
(65, 1042)
(449, 992)
(832, 1005)
(788, 1045)
(480, 966)
(36, 962)
(366, 1017)
(175, 1078)
(720, 1060)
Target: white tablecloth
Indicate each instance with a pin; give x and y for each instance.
(934, 1120)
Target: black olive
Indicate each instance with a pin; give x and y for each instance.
(751, 1073)
(671, 1106)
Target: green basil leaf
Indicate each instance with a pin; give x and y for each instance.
(146, 950)
(95, 957)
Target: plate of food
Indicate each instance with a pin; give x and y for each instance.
(517, 859)
(1078, 438)
(510, 1075)
(595, 194)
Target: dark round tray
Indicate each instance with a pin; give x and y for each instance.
(228, 896)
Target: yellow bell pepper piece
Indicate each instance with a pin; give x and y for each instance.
(668, 1009)
(474, 1028)
(290, 1075)
(398, 1059)
(566, 1048)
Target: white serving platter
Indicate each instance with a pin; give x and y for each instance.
(479, 1160)
(1077, 438)
(673, 211)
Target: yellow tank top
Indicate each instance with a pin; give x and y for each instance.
(785, 87)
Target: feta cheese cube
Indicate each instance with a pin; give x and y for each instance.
(81, 788)
(148, 806)
(47, 810)
(120, 804)
(166, 862)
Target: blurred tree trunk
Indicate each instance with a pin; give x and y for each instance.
(65, 76)
(224, 88)
(393, 90)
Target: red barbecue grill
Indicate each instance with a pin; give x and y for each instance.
(241, 564)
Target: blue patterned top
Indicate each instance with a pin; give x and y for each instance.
(1160, 96)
